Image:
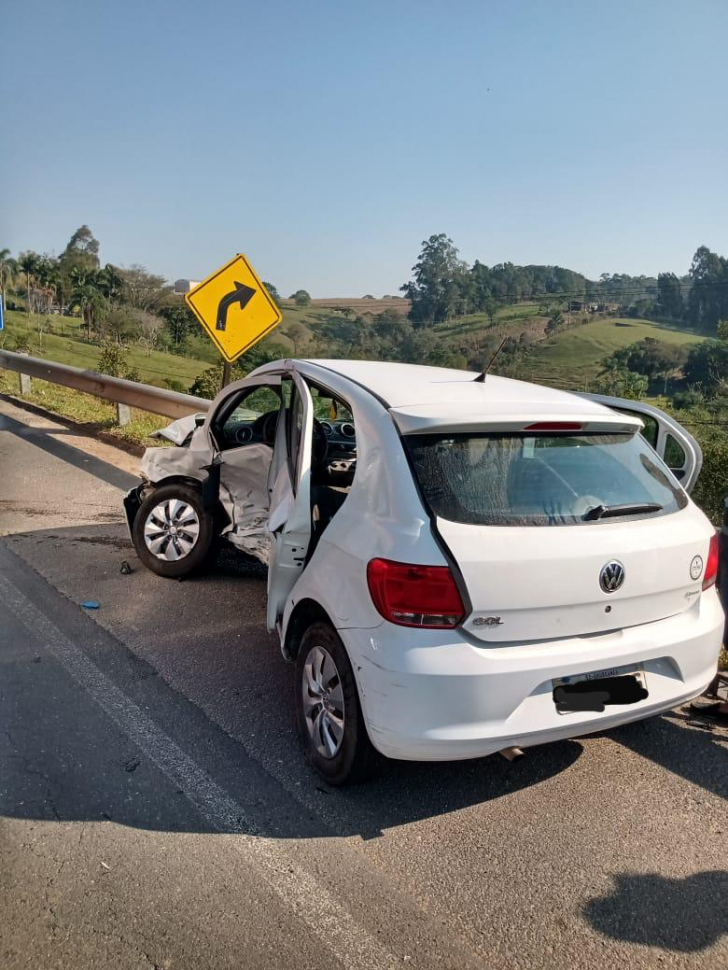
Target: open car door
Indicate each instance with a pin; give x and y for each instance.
(242, 460)
(290, 499)
(676, 446)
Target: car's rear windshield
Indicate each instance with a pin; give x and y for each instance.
(561, 479)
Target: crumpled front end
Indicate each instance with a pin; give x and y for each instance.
(190, 460)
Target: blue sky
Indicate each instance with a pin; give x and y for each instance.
(326, 140)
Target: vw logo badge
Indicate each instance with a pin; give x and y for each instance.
(696, 567)
(612, 576)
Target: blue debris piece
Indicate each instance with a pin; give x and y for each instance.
(90, 605)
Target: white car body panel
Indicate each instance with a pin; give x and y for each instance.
(291, 531)
(472, 690)
(542, 582)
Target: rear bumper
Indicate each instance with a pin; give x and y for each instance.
(430, 695)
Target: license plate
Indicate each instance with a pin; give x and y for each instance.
(598, 689)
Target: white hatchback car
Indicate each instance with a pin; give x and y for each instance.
(458, 564)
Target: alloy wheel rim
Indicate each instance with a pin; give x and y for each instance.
(171, 530)
(323, 702)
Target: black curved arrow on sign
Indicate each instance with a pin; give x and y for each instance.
(242, 294)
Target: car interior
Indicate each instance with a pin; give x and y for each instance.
(251, 418)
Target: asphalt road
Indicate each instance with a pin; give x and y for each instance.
(155, 810)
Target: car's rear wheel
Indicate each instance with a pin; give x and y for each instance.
(174, 534)
(328, 711)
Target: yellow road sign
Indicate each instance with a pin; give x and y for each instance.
(234, 307)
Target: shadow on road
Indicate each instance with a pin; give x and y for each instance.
(47, 440)
(699, 756)
(686, 915)
(223, 698)
(224, 695)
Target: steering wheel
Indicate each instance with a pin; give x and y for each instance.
(320, 444)
(265, 426)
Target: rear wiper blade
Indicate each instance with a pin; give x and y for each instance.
(610, 511)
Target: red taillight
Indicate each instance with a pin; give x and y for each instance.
(424, 596)
(711, 567)
(554, 426)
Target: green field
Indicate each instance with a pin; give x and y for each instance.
(66, 345)
(63, 341)
(473, 322)
(573, 358)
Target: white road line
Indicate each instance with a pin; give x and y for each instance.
(351, 944)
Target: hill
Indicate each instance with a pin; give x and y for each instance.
(573, 357)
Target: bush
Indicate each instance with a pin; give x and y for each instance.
(301, 298)
(174, 385)
(22, 343)
(209, 382)
(711, 489)
(692, 398)
(112, 360)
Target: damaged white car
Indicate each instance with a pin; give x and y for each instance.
(458, 563)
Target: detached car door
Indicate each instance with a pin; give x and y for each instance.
(290, 503)
(676, 446)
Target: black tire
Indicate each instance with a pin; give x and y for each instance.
(355, 759)
(205, 545)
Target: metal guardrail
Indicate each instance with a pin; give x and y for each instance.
(157, 400)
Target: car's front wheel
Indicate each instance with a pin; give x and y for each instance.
(173, 532)
(328, 711)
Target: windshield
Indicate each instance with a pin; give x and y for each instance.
(514, 479)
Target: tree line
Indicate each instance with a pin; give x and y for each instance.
(444, 286)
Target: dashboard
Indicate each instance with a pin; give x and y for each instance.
(341, 439)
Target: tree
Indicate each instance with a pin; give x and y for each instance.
(84, 244)
(119, 325)
(86, 295)
(141, 289)
(179, 320)
(652, 358)
(301, 298)
(439, 284)
(708, 297)
(298, 334)
(28, 263)
(110, 282)
(707, 366)
(81, 253)
(8, 271)
(670, 302)
(622, 382)
(489, 307)
(272, 292)
(368, 296)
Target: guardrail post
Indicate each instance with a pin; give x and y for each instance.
(24, 379)
(123, 415)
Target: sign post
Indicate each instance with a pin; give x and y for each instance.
(234, 308)
(2, 314)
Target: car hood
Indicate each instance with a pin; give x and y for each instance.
(180, 431)
(189, 460)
